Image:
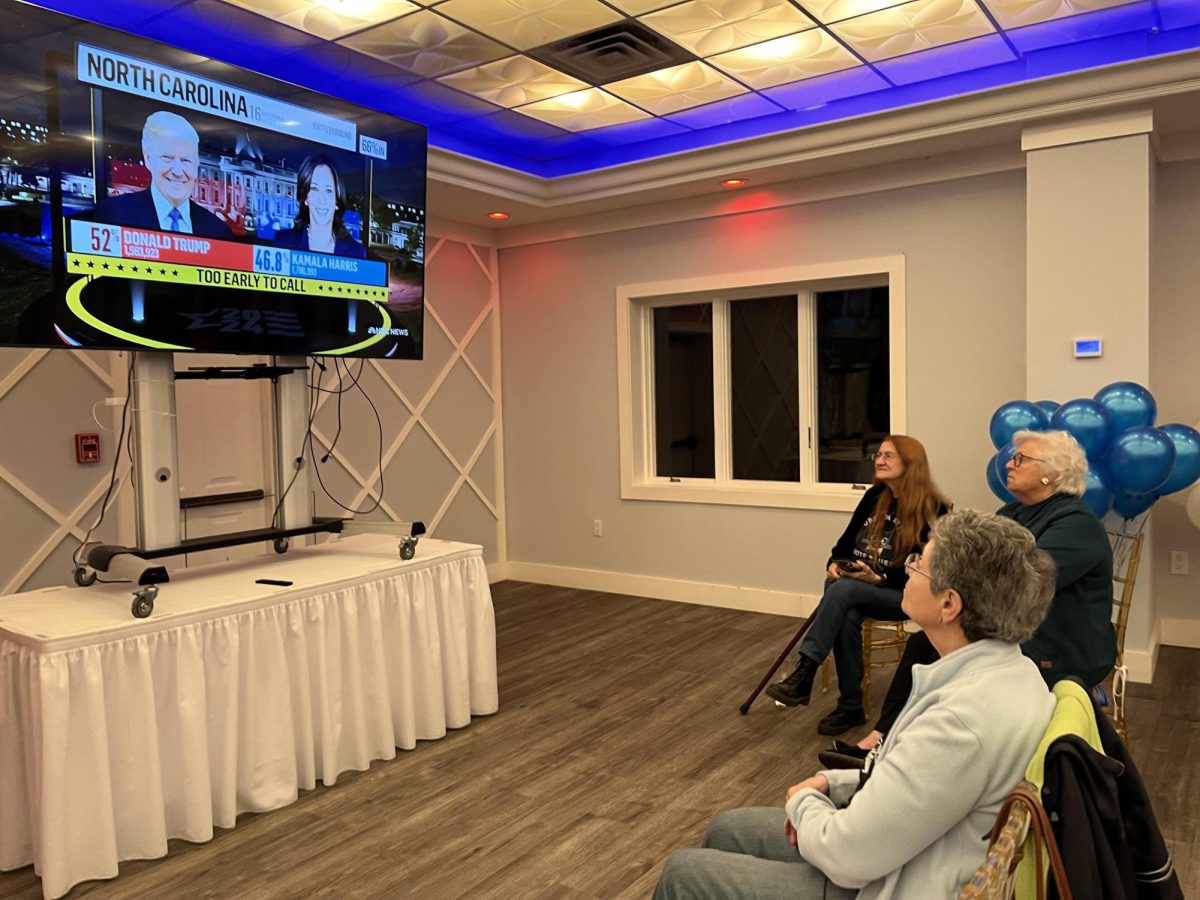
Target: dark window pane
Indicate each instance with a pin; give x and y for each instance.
(764, 395)
(853, 382)
(683, 391)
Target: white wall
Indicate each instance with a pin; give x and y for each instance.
(964, 243)
(1175, 376)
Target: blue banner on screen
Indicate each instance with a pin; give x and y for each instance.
(155, 199)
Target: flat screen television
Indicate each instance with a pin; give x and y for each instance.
(154, 199)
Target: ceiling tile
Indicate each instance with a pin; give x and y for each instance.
(530, 23)
(514, 81)
(326, 19)
(786, 59)
(962, 56)
(426, 44)
(581, 110)
(1016, 13)
(724, 112)
(835, 10)
(676, 88)
(637, 7)
(919, 25)
(814, 93)
(713, 26)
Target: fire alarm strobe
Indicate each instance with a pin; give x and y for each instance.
(87, 448)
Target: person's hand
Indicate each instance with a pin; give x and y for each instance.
(816, 782)
(864, 573)
(833, 572)
(790, 830)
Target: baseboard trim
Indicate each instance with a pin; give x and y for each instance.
(1180, 632)
(700, 593)
(497, 571)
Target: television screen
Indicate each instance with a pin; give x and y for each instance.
(154, 199)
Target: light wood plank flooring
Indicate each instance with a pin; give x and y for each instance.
(618, 737)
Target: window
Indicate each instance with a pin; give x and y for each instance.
(769, 389)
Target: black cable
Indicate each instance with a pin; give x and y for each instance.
(355, 380)
(307, 439)
(337, 367)
(112, 478)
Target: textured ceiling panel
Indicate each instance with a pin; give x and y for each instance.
(582, 110)
(679, 87)
(329, 20)
(713, 26)
(426, 44)
(915, 26)
(1018, 13)
(513, 81)
(786, 59)
(529, 23)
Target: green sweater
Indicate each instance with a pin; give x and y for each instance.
(1077, 637)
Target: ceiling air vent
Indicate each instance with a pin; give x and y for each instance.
(612, 53)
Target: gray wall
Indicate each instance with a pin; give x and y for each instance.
(964, 243)
(1175, 373)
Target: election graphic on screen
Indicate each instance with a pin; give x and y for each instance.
(182, 212)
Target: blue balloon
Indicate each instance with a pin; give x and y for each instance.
(1014, 416)
(1048, 406)
(1187, 458)
(997, 482)
(1140, 459)
(1128, 505)
(1000, 461)
(1131, 405)
(1089, 422)
(1098, 498)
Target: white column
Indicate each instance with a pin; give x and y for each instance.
(156, 457)
(1089, 210)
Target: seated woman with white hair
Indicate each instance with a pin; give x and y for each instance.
(913, 826)
(1048, 476)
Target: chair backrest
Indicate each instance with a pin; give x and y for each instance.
(996, 879)
(1127, 556)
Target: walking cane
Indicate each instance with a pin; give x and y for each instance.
(745, 707)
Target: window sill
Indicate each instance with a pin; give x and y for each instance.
(835, 498)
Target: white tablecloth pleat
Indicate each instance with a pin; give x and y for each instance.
(108, 750)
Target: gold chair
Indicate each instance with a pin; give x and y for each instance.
(1127, 556)
(878, 637)
(996, 878)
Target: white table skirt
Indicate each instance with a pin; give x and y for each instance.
(117, 734)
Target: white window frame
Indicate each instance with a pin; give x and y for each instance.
(635, 373)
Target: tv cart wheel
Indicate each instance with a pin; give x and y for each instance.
(408, 548)
(143, 601)
(280, 545)
(83, 577)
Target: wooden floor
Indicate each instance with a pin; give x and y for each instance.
(618, 737)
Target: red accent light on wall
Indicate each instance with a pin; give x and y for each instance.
(497, 215)
(735, 182)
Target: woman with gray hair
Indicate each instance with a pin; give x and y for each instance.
(1048, 476)
(913, 830)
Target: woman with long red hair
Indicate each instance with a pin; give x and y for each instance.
(866, 577)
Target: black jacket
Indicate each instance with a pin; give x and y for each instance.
(892, 571)
(1111, 845)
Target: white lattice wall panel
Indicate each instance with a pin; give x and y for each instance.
(441, 416)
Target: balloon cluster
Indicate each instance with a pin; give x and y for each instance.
(1131, 463)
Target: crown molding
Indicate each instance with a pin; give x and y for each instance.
(1141, 82)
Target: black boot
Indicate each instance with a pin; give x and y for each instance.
(840, 721)
(796, 689)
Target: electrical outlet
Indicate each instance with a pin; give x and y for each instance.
(597, 528)
(1179, 562)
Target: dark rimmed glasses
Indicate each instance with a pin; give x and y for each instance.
(1019, 457)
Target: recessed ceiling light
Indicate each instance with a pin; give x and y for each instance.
(735, 182)
(497, 215)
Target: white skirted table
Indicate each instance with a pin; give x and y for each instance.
(117, 734)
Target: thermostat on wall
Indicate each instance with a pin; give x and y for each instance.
(1089, 347)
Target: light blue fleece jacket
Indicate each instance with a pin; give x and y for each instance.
(918, 828)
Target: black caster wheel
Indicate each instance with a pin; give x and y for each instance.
(143, 605)
(408, 548)
(84, 578)
(280, 545)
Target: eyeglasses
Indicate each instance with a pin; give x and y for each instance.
(885, 454)
(910, 564)
(1019, 457)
